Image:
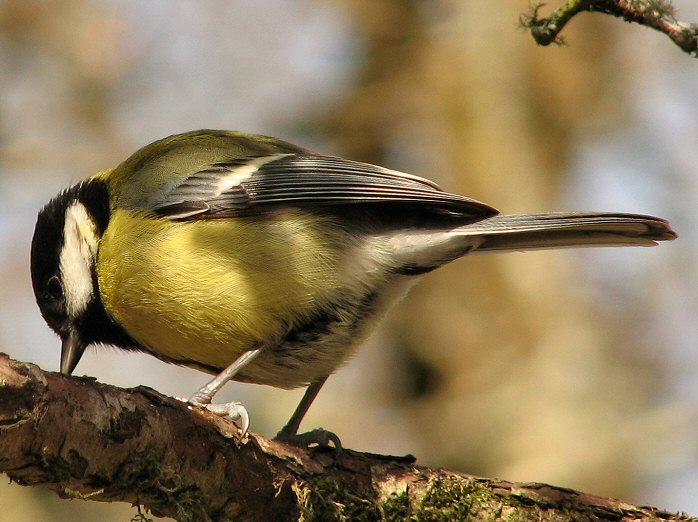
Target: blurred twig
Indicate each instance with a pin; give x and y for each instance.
(657, 14)
(87, 440)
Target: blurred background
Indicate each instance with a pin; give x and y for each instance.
(575, 368)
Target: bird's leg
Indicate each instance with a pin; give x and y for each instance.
(294, 422)
(234, 411)
(319, 436)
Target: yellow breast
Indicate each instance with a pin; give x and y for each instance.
(209, 290)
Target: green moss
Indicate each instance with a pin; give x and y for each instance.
(451, 498)
(322, 499)
(396, 507)
(446, 498)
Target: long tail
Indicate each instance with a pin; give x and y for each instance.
(421, 250)
(562, 230)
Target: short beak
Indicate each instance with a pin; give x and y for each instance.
(72, 349)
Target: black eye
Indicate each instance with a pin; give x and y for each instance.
(54, 289)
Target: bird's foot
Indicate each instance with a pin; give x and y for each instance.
(233, 411)
(319, 436)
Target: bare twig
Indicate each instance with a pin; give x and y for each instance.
(87, 440)
(657, 14)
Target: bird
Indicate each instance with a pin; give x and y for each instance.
(256, 260)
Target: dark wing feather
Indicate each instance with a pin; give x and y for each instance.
(260, 184)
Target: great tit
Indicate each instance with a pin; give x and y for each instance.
(253, 259)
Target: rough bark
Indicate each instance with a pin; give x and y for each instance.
(657, 14)
(84, 439)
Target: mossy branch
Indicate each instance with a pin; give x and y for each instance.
(90, 441)
(657, 14)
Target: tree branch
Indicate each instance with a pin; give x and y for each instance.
(83, 439)
(657, 14)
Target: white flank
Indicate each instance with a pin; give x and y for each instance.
(243, 172)
(77, 258)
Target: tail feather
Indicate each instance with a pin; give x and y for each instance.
(561, 230)
(421, 250)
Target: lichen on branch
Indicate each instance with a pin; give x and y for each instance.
(657, 14)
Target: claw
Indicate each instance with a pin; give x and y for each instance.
(318, 436)
(234, 411)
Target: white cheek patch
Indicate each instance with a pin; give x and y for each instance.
(244, 172)
(77, 258)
